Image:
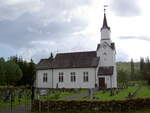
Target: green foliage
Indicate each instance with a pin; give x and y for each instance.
(28, 70)
(145, 68)
(51, 56)
(18, 98)
(2, 71)
(132, 75)
(12, 72)
(122, 77)
(16, 71)
(129, 69)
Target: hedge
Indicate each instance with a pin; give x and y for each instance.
(93, 105)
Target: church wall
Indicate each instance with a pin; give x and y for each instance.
(106, 59)
(79, 78)
(39, 79)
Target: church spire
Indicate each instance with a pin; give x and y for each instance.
(105, 26)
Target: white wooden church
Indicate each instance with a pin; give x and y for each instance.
(88, 69)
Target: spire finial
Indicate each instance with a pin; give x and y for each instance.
(105, 6)
(105, 19)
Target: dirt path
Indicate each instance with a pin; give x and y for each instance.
(16, 109)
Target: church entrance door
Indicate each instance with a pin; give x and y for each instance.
(102, 83)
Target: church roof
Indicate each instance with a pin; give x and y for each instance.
(70, 60)
(105, 70)
(45, 64)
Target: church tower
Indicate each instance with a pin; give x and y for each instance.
(106, 70)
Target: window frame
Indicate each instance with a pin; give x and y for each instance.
(61, 77)
(73, 77)
(85, 76)
(45, 77)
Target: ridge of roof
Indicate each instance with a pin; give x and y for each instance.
(77, 52)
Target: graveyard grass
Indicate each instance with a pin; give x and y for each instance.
(144, 92)
(123, 94)
(15, 103)
(61, 95)
(16, 100)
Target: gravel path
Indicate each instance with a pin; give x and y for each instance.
(16, 109)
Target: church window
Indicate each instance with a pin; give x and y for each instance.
(61, 78)
(45, 77)
(73, 77)
(85, 77)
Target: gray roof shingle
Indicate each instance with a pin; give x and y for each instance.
(108, 70)
(70, 60)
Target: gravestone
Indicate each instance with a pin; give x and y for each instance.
(43, 92)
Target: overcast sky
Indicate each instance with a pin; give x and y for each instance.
(35, 28)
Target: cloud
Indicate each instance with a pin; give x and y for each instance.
(144, 38)
(28, 28)
(6, 51)
(127, 8)
(134, 47)
(26, 24)
(121, 55)
(49, 22)
(12, 9)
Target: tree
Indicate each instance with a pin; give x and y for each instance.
(31, 72)
(122, 76)
(12, 73)
(142, 67)
(132, 75)
(2, 71)
(51, 56)
(147, 70)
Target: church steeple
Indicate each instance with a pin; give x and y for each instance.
(105, 25)
(105, 29)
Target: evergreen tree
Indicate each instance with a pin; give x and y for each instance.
(122, 76)
(12, 73)
(31, 72)
(51, 56)
(2, 71)
(142, 67)
(132, 75)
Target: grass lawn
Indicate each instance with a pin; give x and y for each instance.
(141, 111)
(15, 103)
(144, 92)
(61, 95)
(122, 94)
(17, 100)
